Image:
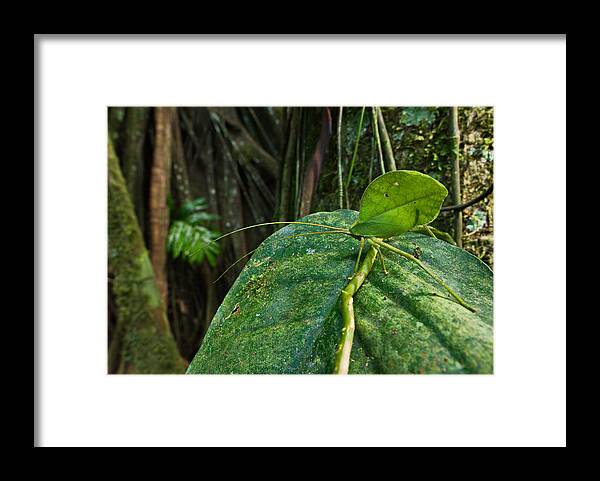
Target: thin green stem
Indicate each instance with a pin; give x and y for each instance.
(360, 124)
(412, 258)
(342, 355)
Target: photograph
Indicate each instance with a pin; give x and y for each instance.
(300, 240)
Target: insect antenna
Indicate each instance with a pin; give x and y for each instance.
(333, 230)
(288, 237)
(232, 265)
(317, 232)
(268, 223)
(274, 223)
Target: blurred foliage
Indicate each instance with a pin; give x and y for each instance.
(190, 238)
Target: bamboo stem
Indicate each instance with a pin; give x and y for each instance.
(387, 143)
(342, 356)
(340, 178)
(377, 139)
(455, 158)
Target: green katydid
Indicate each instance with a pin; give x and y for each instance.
(391, 205)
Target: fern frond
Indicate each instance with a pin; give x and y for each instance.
(192, 242)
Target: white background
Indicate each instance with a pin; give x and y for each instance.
(523, 403)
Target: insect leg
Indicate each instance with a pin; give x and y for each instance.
(430, 232)
(362, 244)
(410, 257)
(381, 259)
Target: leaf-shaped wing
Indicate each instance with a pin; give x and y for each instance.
(398, 201)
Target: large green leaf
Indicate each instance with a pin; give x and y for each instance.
(282, 314)
(398, 201)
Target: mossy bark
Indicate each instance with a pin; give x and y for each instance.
(144, 340)
(115, 122)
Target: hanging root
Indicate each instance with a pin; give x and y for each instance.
(380, 243)
(342, 355)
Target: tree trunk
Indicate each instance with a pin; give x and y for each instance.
(181, 182)
(136, 119)
(142, 343)
(455, 158)
(159, 189)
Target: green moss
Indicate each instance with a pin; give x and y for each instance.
(142, 326)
